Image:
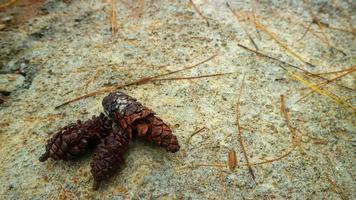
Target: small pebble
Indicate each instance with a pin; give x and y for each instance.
(6, 19)
(2, 26)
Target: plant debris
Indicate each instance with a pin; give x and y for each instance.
(231, 161)
(239, 131)
(125, 119)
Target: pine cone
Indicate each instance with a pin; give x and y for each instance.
(76, 138)
(138, 120)
(108, 156)
(153, 129)
(124, 110)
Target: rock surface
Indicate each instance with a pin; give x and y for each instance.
(67, 50)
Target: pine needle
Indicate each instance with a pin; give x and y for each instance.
(238, 19)
(195, 132)
(6, 4)
(321, 27)
(136, 82)
(259, 53)
(336, 188)
(314, 87)
(296, 139)
(92, 79)
(335, 72)
(193, 77)
(239, 131)
(323, 84)
(113, 19)
(199, 12)
(280, 43)
(253, 2)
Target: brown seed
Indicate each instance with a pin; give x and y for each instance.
(232, 162)
(45, 178)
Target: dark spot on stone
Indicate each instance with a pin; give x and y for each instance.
(5, 93)
(37, 35)
(11, 187)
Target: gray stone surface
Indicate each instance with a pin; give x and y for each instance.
(69, 51)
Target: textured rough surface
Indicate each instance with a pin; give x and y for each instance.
(67, 50)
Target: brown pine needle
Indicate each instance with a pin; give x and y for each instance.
(296, 139)
(193, 77)
(92, 79)
(254, 17)
(259, 53)
(335, 72)
(321, 25)
(136, 82)
(316, 21)
(238, 19)
(323, 84)
(282, 44)
(239, 131)
(336, 188)
(286, 117)
(195, 132)
(326, 39)
(186, 68)
(210, 165)
(6, 4)
(199, 12)
(352, 31)
(113, 19)
(309, 29)
(277, 158)
(194, 166)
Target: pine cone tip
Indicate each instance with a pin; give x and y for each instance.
(96, 185)
(44, 157)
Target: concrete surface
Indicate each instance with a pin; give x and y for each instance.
(65, 49)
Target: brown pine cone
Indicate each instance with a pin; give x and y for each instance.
(138, 120)
(75, 139)
(124, 110)
(153, 129)
(108, 156)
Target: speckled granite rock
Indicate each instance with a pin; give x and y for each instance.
(68, 51)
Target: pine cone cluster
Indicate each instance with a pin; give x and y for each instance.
(124, 120)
